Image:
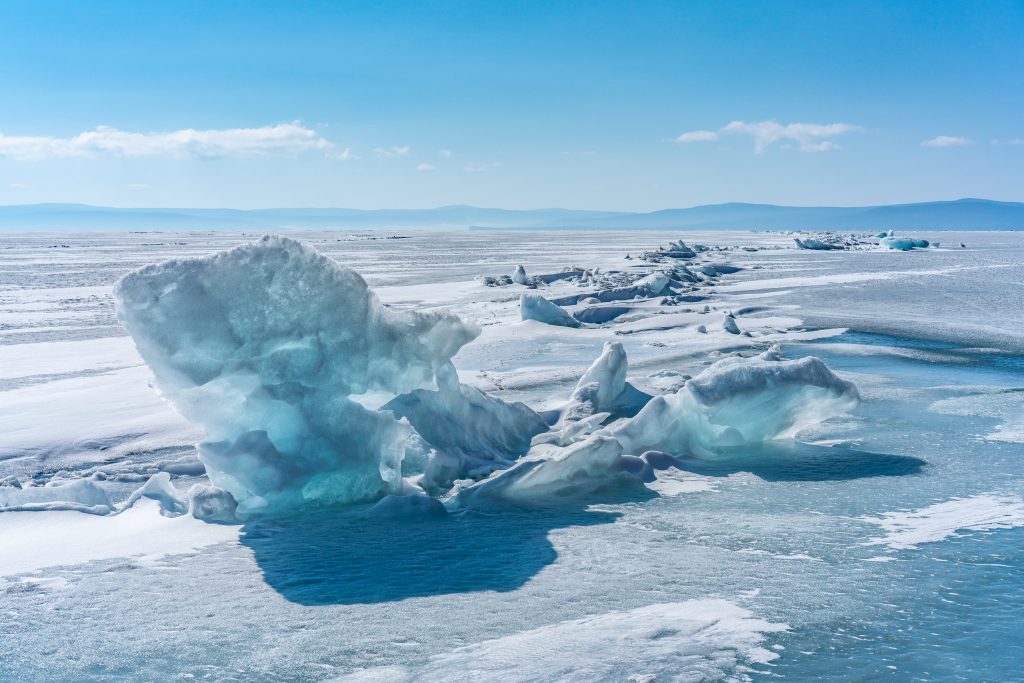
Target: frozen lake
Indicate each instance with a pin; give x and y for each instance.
(886, 543)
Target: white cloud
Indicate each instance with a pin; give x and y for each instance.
(446, 153)
(425, 167)
(106, 141)
(480, 168)
(1011, 141)
(947, 141)
(808, 137)
(392, 152)
(698, 136)
(139, 186)
(347, 155)
(18, 186)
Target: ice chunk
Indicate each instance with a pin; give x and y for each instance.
(533, 306)
(473, 433)
(553, 474)
(160, 489)
(519, 277)
(603, 387)
(82, 495)
(816, 245)
(262, 345)
(739, 401)
(729, 324)
(211, 504)
(656, 283)
(903, 243)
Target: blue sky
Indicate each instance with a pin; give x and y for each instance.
(601, 105)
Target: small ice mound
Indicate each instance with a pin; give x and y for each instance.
(81, 495)
(815, 245)
(533, 306)
(408, 507)
(160, 489)
(701, 329)
(262, 346)
(555, 474)
(472, 434)
(211, 504)
(656, 283)
(729, 324)
(603, 387)
(737, 402)
(695, 640)
(519, 277)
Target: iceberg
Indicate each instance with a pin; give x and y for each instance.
(533, 306)
(265, 346)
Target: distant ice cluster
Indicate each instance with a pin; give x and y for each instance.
(312, 392)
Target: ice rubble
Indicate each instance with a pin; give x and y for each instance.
(735, 402)
(264, 346)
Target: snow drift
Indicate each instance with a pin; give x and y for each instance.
(264, 346)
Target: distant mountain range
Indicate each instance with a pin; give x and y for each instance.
(962, 214)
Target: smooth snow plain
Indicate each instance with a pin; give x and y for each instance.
(882, 542)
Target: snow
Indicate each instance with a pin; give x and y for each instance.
(908, 530)
(263, 346)
(68, 538)
(695, 640)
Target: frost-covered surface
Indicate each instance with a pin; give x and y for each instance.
(781, 529)
(699, 640)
